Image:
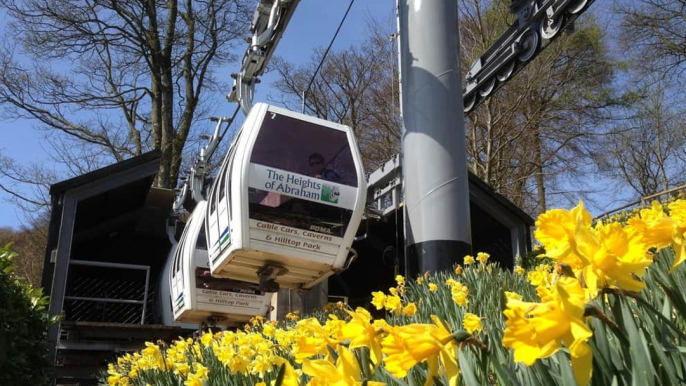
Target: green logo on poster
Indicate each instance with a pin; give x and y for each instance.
(330, 193)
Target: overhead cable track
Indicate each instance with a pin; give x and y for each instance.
(539, 23)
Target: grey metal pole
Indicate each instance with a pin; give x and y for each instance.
(434, 161)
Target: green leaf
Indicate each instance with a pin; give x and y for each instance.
(280, 375)
(565, 366)
(505, 376)
(467, 372)
(642, 372)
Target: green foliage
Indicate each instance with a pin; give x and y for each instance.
(23, 327)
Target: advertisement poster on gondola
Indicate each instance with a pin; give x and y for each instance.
(295, 238)
(228, 295)
(301, 186)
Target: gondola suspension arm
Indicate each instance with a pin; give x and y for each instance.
(269, 23)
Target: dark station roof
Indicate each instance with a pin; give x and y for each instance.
(118, 167)
(484, 188)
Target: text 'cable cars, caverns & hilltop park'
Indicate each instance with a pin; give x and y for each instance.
(287, 202)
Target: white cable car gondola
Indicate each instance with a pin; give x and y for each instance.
(287, 202)
(198, 297)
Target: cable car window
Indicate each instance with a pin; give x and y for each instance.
(213, 199)
(178, 255)
(232, 156)
(305, 148)
(302, 175)
(221, 184)
(202, 240)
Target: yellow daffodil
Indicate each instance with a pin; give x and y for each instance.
(197, 377)
(200, 370)
(290, 377)
(537, 330)
(458, 270)
(293, 316)
(615, 258)
(512, 296)
(393, 304)
(459, 294)
(410, 309)
(468, 260)
(519, 270)
(207, 338)
(433, 287)
(400, 280)
(152, 357)
(182, 368)
(379, 300)
(482, 257)
(653, 225)
(311, 339)
(362, 333)
(660, 231)
(269, 329)
(556, 229)
(346, 371)
(677, 212)
(471, 323)
(114, 376)
(407, 345)
(260, 365)
(334, 327)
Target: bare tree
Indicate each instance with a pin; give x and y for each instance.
(29, 243)
(26, 186)
(657, 30)
(648, 151)
(116, 78)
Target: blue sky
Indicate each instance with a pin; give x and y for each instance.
(313, 25)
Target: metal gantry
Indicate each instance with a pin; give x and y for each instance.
(539, 22)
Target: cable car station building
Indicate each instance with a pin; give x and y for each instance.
(108, 245)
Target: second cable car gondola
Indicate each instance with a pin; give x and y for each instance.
(287, 202)
(198, 297)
